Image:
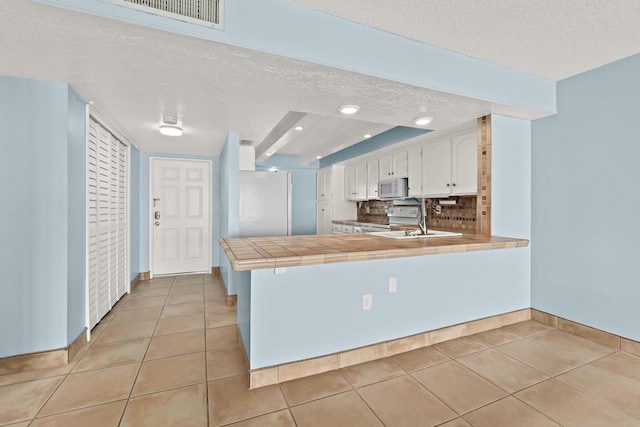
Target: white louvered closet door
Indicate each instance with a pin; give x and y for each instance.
(92, 224)
(106, 220)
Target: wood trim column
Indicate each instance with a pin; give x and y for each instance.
(483, 202)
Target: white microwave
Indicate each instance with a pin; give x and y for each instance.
(396, 188)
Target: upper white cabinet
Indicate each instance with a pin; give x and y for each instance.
(361, 181)
(372, 179)
(324, 184)
(350, 182)
(414, 167)
(393, 165)
(355, 181)
(436, 168)
(449, 166)
(464, 164)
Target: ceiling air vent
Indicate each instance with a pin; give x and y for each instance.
(246, 142)
(203, 12)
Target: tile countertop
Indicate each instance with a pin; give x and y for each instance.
(254, 253)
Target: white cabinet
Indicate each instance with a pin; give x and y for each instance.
(415, 171)
(324, 184)
(449, 166)
(436, 168)
(361, 181)
(464, 164)
(355, 181)
(350, 182)
(372, 179)
(324, 217)
(393, 165)
(331, 202)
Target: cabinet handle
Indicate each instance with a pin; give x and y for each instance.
(448, 184)
(454, 184)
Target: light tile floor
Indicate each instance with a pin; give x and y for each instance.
(168, 355)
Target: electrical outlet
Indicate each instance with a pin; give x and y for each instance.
(393, 285)
(367, 301)
(438, 210)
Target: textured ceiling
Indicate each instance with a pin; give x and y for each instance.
(554, 39)
(137, 74)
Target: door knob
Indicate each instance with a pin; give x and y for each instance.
(157, 215)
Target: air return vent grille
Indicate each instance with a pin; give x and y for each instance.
(204, 12)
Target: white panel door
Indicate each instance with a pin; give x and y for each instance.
(180, 216)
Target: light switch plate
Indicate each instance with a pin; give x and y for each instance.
(393, 285)
(367, 301)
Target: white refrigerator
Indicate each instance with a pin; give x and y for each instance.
(265, 203)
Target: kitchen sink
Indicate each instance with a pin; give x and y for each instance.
(400, 234)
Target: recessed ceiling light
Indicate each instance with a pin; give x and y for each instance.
(318, 157)
(367, 135)
(349, 109)
(298, 128)
(170, 127)
(421, 121)
(268, 153)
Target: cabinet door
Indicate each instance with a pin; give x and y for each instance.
(361, 181)
(320, 218)
(464, 164)
(324, 182)
(415, 171)
(372, 179)
(400, 165)
(320, 184)
(436, 168)
(350, 182)
(328, 217)
(385, 167)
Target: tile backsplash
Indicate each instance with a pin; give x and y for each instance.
(462, 215)
(374, 211)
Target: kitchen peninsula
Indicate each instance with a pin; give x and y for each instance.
(300, 301)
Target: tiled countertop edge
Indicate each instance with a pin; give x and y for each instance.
(263, 260)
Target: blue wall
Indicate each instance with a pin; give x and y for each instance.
(143, 207)
(303, 194)
(134, 211)
(585, 177)
(77, 218)
(41, 299)
(230, 205)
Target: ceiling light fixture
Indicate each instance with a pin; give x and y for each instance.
(318, 157)
(268, 154)
(349, 109)
(421, 121)
(298, 128)
(170, 127)
(367, 135)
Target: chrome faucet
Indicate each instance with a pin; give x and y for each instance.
(422, 223)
